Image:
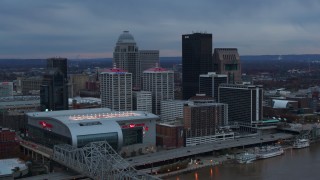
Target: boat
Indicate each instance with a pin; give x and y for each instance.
(269, 151)
(245, 158)
(300, 143)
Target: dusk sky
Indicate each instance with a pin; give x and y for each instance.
(90, 28)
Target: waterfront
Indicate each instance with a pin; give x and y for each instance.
(295, 164)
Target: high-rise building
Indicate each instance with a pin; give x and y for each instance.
(116, 89)
(172, 110)
(161, 84)
(126, 57)
(6, 89)
(244, 101)
(142, 101)
(58, 63)
(53, 91)
(54, 86)
(209, 83)
(148, 58)
(196, 60)
(202, 119)
(227, 61)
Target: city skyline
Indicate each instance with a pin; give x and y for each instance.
(86, 29)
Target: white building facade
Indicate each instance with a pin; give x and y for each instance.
(161, 83)
(148, 59)
(172, 110)
(116, 89)
(142, 101)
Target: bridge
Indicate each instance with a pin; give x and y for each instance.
(97, 160)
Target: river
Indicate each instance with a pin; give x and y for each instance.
(295, 164)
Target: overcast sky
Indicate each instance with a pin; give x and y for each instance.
(90, 28)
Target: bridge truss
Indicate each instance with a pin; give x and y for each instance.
(97, 160)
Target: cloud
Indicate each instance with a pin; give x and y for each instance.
(39, 28)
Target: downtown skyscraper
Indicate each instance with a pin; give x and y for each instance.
(245, 103)
(116, 89)
(196, 60)
(127, 56)
(54, 86)
(227, 61)
(160, 82)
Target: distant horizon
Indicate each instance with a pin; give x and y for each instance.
(160, 57)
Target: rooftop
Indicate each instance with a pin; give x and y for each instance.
(7, 166)
(114, 70)
(201, 97)
(126, 37)
(89, 115)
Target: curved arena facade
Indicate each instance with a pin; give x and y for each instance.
(123, 130)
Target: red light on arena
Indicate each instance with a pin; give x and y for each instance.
(132, 125)
(45, 124)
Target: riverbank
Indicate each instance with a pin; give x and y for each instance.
(207, 161)
(204, 162)
(294, 164)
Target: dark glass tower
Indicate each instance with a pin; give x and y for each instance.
(244, 101)
(58, 63)
(196, 60)
(209, 84)
(54, 87)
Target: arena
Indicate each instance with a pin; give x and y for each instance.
(125, 131)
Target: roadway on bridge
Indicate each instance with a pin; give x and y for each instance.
(193, 150)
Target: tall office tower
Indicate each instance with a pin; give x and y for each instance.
(58, 63)
(202, 118)
(245, 103)
(148, 58)
(172, 110)
(227, 61)
(54, 86)
(6, 89)
(126, 57)
(142, 101)
(161, 84)
(116, 89)
(196, 60)
(209, 83)
(53, 91)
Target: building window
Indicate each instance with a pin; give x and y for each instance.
(111, 138)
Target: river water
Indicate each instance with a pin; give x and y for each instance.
(295, 164)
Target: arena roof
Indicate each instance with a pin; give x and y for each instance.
(95, 114)
(88, 121)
